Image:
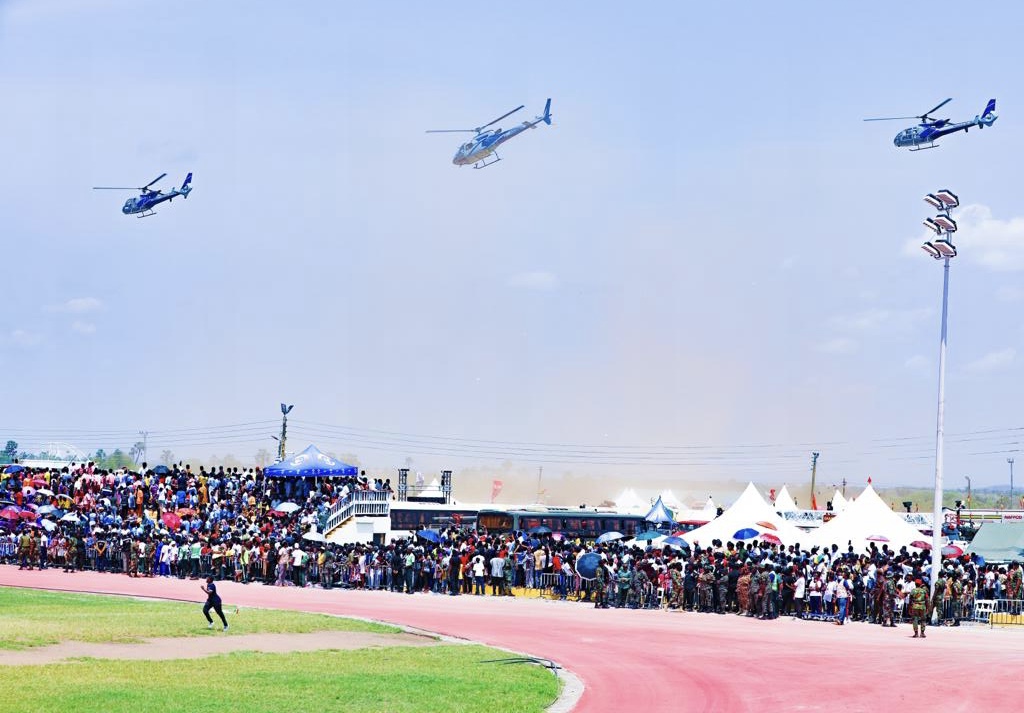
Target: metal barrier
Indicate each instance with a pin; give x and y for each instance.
(1002, 612)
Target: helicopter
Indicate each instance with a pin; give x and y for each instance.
(481, 150)
(144, 204)
(931, 129)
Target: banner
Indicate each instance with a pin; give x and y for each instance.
(496, 489)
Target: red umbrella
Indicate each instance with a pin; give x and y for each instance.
(767, 525)
(951, 551)
(277, 513)
(10, 513)
(171, 520)
(27, 515)
(921, 544)
(186, 511)
(769, 537)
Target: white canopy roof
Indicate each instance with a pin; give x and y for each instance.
(671, 501)
(838, 502)
(710, 506)
(784, 501)
(630, 502)
(749, 510)
(866, 519)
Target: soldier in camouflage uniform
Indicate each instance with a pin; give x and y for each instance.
(743, 592)
(676, 598)
(704, 584)
(939, 599)
(888, 599)
(918, 608)
(723, 589)
(638, 589)
(756, 590)
(624, 580)
(600, 582)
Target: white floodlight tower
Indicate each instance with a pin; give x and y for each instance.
(941, 248)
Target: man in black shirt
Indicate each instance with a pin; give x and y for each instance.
(212, 602)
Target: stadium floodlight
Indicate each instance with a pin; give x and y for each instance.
(932, 226)
(933, 200)
(945, 248)
(286, 409)
(946, 223)
(932, 250)
(948, 198)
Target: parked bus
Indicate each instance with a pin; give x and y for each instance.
(584, 524)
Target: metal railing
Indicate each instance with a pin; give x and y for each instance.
(998, 611)
(360, 502)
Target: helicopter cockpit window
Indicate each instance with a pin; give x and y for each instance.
(467, 147)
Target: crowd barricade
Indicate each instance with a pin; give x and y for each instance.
(1008, 612)
(8, 550)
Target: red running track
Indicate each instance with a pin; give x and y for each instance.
(659, 661)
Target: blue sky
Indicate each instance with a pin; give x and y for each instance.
(706, 269)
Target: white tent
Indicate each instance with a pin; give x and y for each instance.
(838, 502)
(630, 502)
(710, 506)
(784, 501)
(672, 502)
(866, 519)
(749, 511)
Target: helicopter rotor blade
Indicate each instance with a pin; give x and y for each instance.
(925, 115)
(153, 181)
(450, 131)
(115, 188)
(481, 128)
(893, 118)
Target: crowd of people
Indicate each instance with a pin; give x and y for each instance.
(236, 524)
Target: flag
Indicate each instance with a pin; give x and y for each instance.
(496, 489)
(814, 502)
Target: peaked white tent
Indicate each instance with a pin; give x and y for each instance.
(629, 502)
(748, 511)
(710, 506)
(659, 513)
(672, 502)
(839, 503)
(866, 519)
(784, 501)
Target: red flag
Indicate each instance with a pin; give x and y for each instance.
(496, 489)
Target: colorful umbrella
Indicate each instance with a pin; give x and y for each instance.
(13, 469)
(172, 520)
(609, 537)
(586, 566)
(44, 491)
(921, 544)
(951, 551)
(678, 542)
(745, 534)
(428, 535)
(769, 537)
(314, 536)
(182, 512)
(767, 525)
(28, 515)
(650, 535)
(288, 507)
(10, 513)
(45, 509)
(70, 517)
(877, 538)
(540, 530)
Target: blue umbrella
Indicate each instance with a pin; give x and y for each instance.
(609, 537)
(586, 566)
(161, 470)
(540, 530)
(429, 535)
(677, 542)
(745, 534)
(13, 469)
(650, 535)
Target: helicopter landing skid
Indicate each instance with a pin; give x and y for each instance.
(146, 214)
(922, 148)
(484, 163)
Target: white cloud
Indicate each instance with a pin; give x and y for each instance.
(993, 361)
(83, 327)
(77, 305)
(1010, 293)
(877, 318)
(23, 338)
(996, 244)
(917, 362)
(839, 345)
(534, 280)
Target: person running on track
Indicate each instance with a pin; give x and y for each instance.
(212, 602)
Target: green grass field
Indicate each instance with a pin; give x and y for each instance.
(400, 679)
(445, 679)
(34, 618)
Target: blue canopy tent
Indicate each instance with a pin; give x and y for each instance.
(659, 513)
(311, 463)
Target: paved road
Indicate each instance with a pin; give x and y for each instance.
(657, 661)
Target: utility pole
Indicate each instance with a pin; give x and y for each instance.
(968, 479)
(145, 453)
(540, 474)
(285, 410)
(844, 487)
(814, 474)
(1010, 461)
